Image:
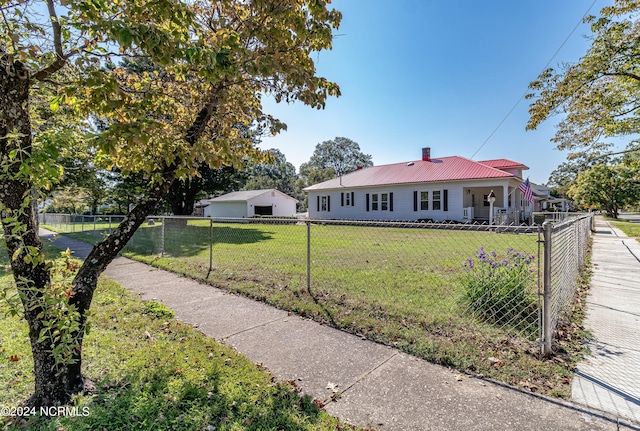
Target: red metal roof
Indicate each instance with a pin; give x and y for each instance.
(452, 168)
(503, 163)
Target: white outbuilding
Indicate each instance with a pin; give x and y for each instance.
(251, 202)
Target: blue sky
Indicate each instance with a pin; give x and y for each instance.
(440, 74)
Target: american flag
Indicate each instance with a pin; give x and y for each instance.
(525, 188)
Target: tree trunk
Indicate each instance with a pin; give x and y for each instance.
(32, 278)
(182, 196)
(54, 382)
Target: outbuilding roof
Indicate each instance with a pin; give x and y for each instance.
(453, 168)
(245, 195)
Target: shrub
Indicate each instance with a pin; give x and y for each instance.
(498, 288)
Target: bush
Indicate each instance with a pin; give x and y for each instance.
(497, 289)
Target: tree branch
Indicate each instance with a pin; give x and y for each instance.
(60, 60)
(627, 74)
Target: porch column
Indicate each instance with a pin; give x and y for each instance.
(505, 198)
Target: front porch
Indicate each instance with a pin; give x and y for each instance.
(509, 207)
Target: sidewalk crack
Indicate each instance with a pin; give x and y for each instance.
(226, 337)
(368, 373)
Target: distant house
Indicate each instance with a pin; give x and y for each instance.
(251, 202)
(447, 188)
(547, 202)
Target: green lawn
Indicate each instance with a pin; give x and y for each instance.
(397, 286)
(629, 228)
(153, 373)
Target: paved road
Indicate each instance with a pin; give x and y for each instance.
(380, 387)
(635, 218)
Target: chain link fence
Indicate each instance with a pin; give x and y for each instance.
(70, 223)
(566, 246)
(391, 281)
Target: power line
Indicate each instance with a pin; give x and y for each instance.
(544, 68)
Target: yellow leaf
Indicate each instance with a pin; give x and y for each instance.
(16, 254)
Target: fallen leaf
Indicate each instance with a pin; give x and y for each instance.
(13, 358)
(459, 377)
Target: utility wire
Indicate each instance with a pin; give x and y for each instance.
(544, 68)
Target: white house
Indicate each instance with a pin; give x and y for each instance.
(447, 188)
(548, 202)
(251, 202)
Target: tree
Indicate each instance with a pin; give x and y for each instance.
(184, 194)
(341, 154)
(125, 190)
(600, 94)
(71, 200)
(218, 60)
(567, 172)
(610, 188)
(277, 174)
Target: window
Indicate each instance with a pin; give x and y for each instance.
(323, 203)
(436, 199)
(485, 199)
(380, 201)
(347, 199)
(424, 201)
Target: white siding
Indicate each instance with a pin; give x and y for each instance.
(241, 204)
(283, 205)
(403, 205)
(226, 209)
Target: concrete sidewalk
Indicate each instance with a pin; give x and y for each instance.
(380, 387)
(609, 379)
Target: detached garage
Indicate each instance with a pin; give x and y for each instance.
(252, 202)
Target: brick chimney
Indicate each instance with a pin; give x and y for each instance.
(426, 154)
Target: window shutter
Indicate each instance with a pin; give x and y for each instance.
(391, 201)
(445, 198)
(353, 199)
(341, 199)
(367, 201)
(318, 203)
(328, 203)
(415, 201)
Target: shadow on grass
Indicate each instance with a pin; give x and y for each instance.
(181, 240)
(160, 396)
(153, 374)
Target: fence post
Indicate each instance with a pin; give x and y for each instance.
(546, 312)
(309, 257)
(210, 245)
(164, 219)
